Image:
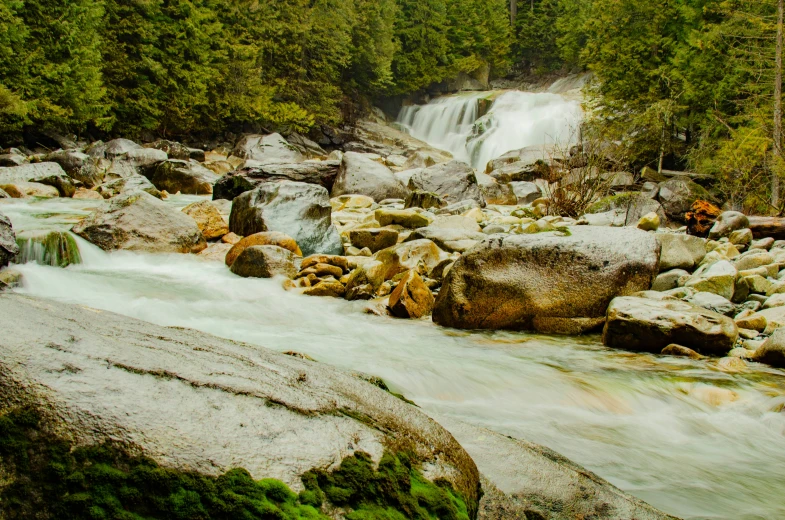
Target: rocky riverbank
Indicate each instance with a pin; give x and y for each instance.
(400, 225)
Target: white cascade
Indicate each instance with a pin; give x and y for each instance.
(515, 120)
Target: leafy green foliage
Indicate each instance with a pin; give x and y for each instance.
(51, 479)
(176, 67)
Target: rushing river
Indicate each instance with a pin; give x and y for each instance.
(686, 437)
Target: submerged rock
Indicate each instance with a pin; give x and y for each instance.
(8, 247)
(140, 222)
(194, 402)
(297, 209)
(546, 281)
(643, 324)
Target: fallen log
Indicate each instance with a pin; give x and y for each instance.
(773, 227)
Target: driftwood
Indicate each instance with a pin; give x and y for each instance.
(768, 227)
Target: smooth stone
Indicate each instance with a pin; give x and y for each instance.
(679, 351)
(360, 174)
(669, 279)
(264, 262)
(718, 278)
(411, 298)
(265, 238)
(208, 218)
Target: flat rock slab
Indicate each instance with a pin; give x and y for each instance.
(525, 480)
(196, 402)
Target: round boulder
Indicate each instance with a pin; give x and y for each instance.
(265, 238)
(265, 262)
(551, 282)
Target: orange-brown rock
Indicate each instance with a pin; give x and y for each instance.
(411, 298)
(265, 238)
(231, 238)
(701, 218)
(337, 261)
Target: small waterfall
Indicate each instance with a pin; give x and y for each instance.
(56, 249)
(515, 120)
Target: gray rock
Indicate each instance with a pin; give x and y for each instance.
(525, 164)
(322, 173)
(128, 184)
(448, 239)
(642, 324)
(117, 148)
(146, 160)
(49, 173)
(668, 280)
(361, 175)
(525, 480)
(680, 251)
(546, 280)
(494, 192)
(265, 262)
(4, 195)
(187, 177)
(8, 247)
(267, 149)
(713, 302)
(139, 222)
(772, 352)
(727, 222)
(677, 196)
(172, 149)
(297, 209)
(195, 402)
(454, 181)
(718, 278)
(79, 166)
(526, 192)
(12, 159)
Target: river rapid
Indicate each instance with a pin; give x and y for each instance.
(681, 434)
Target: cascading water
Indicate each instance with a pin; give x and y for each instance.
(56, 248)
(679, 433)
(515, 120)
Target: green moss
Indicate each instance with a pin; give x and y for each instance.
(58, 249)
(620, 200)
(51, 479)
(395, 490)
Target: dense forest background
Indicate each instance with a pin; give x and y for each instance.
(682, 83)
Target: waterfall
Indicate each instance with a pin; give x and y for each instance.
(515, 120)
(56, 249)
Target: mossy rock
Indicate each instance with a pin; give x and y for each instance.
(56, 249)
(50, 478)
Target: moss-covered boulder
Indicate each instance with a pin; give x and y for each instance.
(201, 407)
(56, 249)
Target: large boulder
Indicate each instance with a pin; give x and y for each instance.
(8, 247)
(79, 166)
(648, 325)
(232, 185)
(146, 160)
(172, 149)
(139, 222)
(678, 195)
(115, 148)
(264, 262)
(300, 210)
(197, 403)
(525, 192)
(525, 164)
(359, 174)
(187, 177)
(549, 282)
(454, 181)
(494, 192)
(267, 149)
(728, 222)
(49, 173)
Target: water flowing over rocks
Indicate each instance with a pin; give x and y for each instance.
(139, 222)
(300, 210)
(198, 403)
(547, 281)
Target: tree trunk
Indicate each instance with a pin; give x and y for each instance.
(773, 227)
(775, 179)
(513, 12)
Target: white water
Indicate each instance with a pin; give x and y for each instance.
(515, 120)
(641, 421)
